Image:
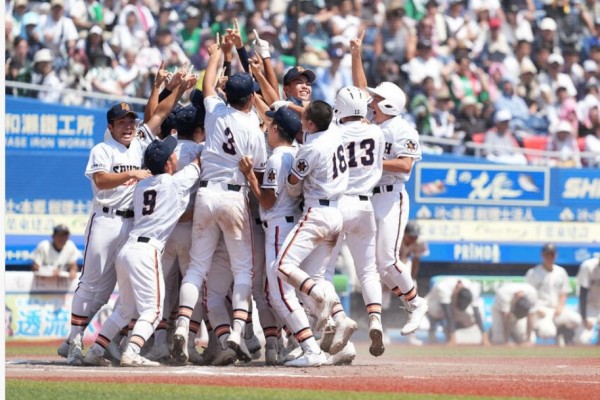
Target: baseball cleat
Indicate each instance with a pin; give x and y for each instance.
(159, 353)
(292, 355)
(237, 344)
(325, 305)
(343, 331)
(376, 334)
(63, 349)
(344, 357)
(113, 352)
(271, 355)
(224, 357)
(92, 359)
(135, 360)
(308, 359)
(327, 338)
(180, 346)
(253, 345)
(413, 340)
(75, 356)
(195, 357)
(415, 317)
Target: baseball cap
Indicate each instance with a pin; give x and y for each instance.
(295, 72)
(59, 3)
(556, 58)
(495, 23)
(158, 152)
(31, 18)
(240, 85)
(119, 111)
(521, 307)
(590, 66)
(60, 229)
(563, 126)
(463, 299)
(468, 101)
(548, 24)
(43, 55)
(502, 116)
(96, 29)
(549, 248)
(287, 119)
(527, 66)
(336, 52)
(188, 118)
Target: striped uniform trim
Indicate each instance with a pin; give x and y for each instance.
(292, 241)
(137, 340)
(185, 312)
(173, 315)
(194, 326)
(411, 294)
(337, 308)
(79, 320)
(287, 305)
(222, 329)
(208, 326)
(303, 334)
(399, 236)
(397, 291)
(271, 331)
(374, 308)
(250, 222)
(163, 324)
(307, 286)
(87, 242)
(240, 314)
(157, 283)
(102, 341)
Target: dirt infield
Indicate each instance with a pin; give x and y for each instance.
(481, 375)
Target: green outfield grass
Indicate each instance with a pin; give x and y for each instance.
(24, 390)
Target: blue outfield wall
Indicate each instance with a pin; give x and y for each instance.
(471, 211)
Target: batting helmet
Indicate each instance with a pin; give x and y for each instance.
(394, 99)
(350, 101)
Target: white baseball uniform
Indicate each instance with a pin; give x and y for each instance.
(158, 202)
(45, 254)
(550, 285)
(363, 144)
(588, 277)
(391, 206)
(221, 204)
(321, 166)
(108, 227)
(441, 294)
(503, 302)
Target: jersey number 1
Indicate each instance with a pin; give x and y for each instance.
(149, 202)
(339, 159)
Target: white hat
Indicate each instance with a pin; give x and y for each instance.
(556, 58)
(502, 116)
(96, 29)
(563, 126)
(528, 66)
(590, 66)
(394, 98)
(43, 55)
(548, 24)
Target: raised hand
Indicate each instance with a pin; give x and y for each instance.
(235, 35)
(162, 75)
(178, 77)
(356, 43)
(227, 42)
(261, 46)
(215, 48)
(256, 65)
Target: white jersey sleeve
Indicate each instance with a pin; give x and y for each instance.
(401, 140)
(277, 170)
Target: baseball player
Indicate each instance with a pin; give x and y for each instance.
(159, 202)
(363, 144)
(320, 173)
(390, 199)
(114, 167)
(297, 89)
(551, 281)
(456, 304)
(189, 124)
(278, 212)
(588, 281)
(59, 254)
(221, 203)
(512, 303)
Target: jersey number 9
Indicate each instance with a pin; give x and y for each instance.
(149, 202)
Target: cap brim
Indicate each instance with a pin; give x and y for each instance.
(306, 73)
(171, 143)
(255, 86)
(135, 115)
(270, 114)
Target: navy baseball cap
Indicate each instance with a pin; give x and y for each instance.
(463, 299)
(295, 72)
(240, 85)
(119, 111)
(188, 118)
(58, 229)
(158, 152)
(287, 119)
(521, 307)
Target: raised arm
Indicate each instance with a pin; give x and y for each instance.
(359, 78)
(161, 77)
(210, 76)
(262, 48)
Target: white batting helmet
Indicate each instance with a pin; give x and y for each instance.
(394, 99)
(351, 102)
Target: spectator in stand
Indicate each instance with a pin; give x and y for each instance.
(227, 21)
(564, 141)
(102, 78)
(44, 75)
(94, 44)
(129, 74)
(572, 66)
(469, 121)
(58, 33)
(516, 27)
(553, 319)
(587, 109)
(110, 10)
(443, 118)
(570, 20)
(592, 144)
(588, 283)
(56, 257)
(546, 36)
(496, 46)
(467, 80)
(528, 89)
(591, 40)
(129, 34)
(30, 22)
(85, 13)
(144, 17)
(513, 314)
(167, 17)
(422, 106)
(500, 144)
(191, 32)
(509, 100)
(330, 80)
(314, 37)
(443, 43)
(19, 11)
(590, 70)
(424, 64)
(592, 8)
(398, 35)
(344, 22)
(19, 67)
(554, 78)
(460, 24)
(170, 52)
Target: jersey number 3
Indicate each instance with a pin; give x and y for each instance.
(228, 146)
(149, 202)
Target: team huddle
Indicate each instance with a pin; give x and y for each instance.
(238, 199)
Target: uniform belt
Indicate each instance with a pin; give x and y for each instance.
(289, 219)
(362, 197)
(258, 221)
(143, 239)
(227, 186)
(383, 189)
(120, 213)
(151, 241)
(325, 202)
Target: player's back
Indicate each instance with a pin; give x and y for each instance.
(277, 170)
(230, 135)
(401, 140)
(363, 145)
(160, 200)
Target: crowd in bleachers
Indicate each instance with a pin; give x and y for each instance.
(512, 73)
